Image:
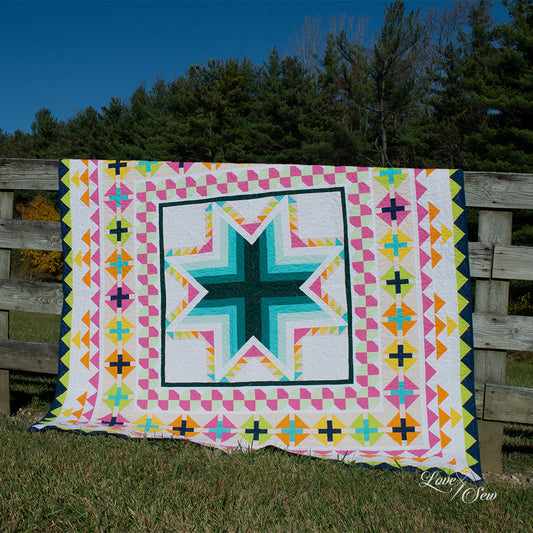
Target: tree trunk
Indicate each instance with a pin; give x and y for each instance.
(384, 158)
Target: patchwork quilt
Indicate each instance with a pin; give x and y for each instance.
(322, 310)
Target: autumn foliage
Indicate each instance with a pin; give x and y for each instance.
(47, 266)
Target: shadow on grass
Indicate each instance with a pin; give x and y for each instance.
(525, 432)
(509, 449)
(29, 390)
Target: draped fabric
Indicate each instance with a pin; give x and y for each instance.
(322, 310)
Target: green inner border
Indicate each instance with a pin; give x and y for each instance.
(349, 380)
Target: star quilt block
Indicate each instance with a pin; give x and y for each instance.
(322, 310)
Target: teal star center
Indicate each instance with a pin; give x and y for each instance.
(254, 287)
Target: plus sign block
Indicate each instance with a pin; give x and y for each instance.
(323, 310)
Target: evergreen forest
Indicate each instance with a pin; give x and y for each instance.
(444, 88)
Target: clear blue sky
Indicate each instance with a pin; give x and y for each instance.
(68, 55)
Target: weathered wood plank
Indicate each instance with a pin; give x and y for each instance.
(513, 262)
(508, 404)
(32, 174)
(479, 392)
(510, 262)
(494, 227)
(480, 257)
(6, 211)
(30, 235)
(31, 296)
(499, 190)
(503, 332)
(29, 356)
(501, 403)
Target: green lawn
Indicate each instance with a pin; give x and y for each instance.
(60, 481)
(29, 390)
(519, 369)
(54, 481)
(35, 327)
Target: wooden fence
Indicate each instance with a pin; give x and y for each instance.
(493, 262)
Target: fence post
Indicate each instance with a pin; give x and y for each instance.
(6, 211)
(495, 227)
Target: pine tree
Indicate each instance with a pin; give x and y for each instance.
(394, 73)
(47, 135)
(504, 139)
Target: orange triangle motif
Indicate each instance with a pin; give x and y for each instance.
(392, 327)
(435, 234)
(441, 394)
(398, 436)
(439, 325)
(86, 319)
(406, 326)
(87, 279)
(435, 258)
(443, 417)
(87, 258)
(85, 360)
(439, 303)
(87, 238)
(298, 437)
(441, 349)
(433, 211)
(84, 178)
(444, 439)
(391, 311)
(86, 339)
(85, 197)
(406, 310)
(83, 398)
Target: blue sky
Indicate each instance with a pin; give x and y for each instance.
(68, 55)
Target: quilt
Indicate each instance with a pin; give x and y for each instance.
(322, 310)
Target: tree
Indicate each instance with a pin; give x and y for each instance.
(216, 99)
(84, 135)
(340, 109)
(47, 135)
(395, 76)
(308, 45)
(286, 119)
(18, 144)
(460, 70)
(47, 265)
(504, 139)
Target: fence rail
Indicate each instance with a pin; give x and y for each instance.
(493, 262)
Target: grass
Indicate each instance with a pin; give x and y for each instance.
(60, 481)
(56, 481)
(518, 439)
(28, 390)
(519, 369)
(34, 327)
